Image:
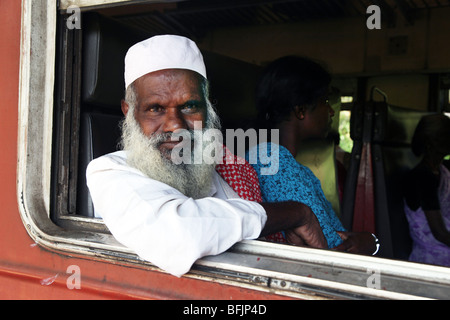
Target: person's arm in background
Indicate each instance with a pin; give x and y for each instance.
(437, 226)
(428, 185)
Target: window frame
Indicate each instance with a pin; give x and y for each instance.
(292, 271)
(65, 4)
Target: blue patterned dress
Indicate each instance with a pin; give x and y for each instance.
(282, 178)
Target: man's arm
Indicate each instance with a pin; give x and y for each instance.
(162, 225)
(298, 219)
(171, 230)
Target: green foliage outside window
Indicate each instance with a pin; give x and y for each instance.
(346, 143)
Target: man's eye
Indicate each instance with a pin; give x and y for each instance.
(190, 108)
(154, 109)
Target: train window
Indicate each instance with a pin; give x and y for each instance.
(346, 99)
(345, 142)
(71, 81)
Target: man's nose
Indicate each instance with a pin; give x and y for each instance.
(174, 121)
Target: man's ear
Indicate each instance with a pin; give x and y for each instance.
(299, 112)
(124, 107)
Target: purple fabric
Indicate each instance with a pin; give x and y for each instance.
(426, 249)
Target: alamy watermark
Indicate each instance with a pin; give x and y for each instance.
(74, 20)
(374, 279)
(206, 146)
(74, 280)
(374, 20)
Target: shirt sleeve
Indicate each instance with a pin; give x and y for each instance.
(161, 224)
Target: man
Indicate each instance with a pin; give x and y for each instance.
(173, 214)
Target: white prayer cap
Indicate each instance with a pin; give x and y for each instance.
(162, 52)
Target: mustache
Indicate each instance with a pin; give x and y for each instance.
(159, 138)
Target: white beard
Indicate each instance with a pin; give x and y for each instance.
(143, 153)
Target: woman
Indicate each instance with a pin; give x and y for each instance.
(292, 98)
(427, 192)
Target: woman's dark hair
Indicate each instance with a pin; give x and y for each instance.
(432, 131)
(286, 83)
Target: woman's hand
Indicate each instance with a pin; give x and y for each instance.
(357, 242)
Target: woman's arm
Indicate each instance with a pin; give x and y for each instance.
(437, 226)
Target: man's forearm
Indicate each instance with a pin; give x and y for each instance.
(284, 216)
(298, 219)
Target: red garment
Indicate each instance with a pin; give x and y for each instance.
(241, 176)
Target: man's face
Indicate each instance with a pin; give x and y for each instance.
(167, 101)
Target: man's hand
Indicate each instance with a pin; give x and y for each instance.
(357, 242)
(301, 225)
(308, 235)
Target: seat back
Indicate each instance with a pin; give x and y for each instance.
(105, 43)
(99, 135)
(398, 159)
(364, 206)
(381, 155)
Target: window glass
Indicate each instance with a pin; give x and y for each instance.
(346, 142)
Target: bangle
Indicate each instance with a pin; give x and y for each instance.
(377, 244)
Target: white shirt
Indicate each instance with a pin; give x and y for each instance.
(161, 224)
